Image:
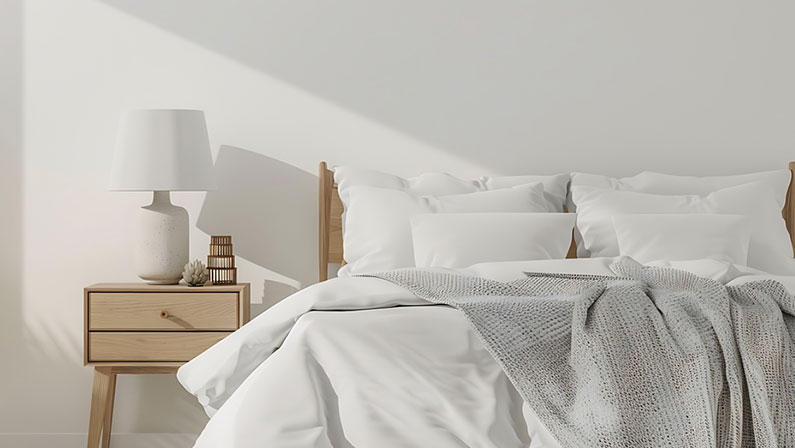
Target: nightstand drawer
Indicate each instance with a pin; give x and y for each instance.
(167, 312)
(149, 346)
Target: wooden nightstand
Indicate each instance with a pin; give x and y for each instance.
(144, 329)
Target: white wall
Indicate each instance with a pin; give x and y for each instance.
(470, 87)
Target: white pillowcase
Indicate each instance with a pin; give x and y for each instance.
(769, 250)
(438, 184)
(428, 184)
(459, 240)
(377, 230)
(668, 184)
(555, 186)
(678, 237)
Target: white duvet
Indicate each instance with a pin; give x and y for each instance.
(362, 362)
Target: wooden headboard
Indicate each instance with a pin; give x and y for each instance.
(330, 241)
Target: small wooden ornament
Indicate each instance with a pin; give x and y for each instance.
(221, 261)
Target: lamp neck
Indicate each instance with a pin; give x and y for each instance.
(161, 198)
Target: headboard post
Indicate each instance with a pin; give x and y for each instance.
(330, 222)
(326, 183)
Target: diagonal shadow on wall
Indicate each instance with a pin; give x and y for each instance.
(268, 207)
(506, 84)
(456, 75)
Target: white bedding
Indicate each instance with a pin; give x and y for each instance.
(377, 221)
(382, 376)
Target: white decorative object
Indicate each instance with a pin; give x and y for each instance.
(195, 273)
(162, 150)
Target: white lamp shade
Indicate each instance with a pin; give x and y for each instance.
(162, 150)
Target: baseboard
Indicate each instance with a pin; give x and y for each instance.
(124, 440)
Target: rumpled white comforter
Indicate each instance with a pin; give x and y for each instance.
(362, 362)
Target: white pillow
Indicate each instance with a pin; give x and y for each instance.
(428, 184)
(377, 230)
(678, 237)
(438, 184)
(770, 249)
(658, 183)
(458, 240)
(555, 186)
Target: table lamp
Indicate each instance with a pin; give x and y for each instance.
(162, 150)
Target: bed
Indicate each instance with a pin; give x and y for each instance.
(374, 360)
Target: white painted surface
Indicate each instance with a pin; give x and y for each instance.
(470, 87)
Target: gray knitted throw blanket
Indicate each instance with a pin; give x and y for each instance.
(655, 357)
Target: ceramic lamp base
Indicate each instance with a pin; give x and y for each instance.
(163, 241)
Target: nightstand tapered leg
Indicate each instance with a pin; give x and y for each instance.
(108, 423)
(99, 397)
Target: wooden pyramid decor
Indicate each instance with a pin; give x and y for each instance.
(221, 262)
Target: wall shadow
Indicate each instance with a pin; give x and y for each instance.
(269, 207)
(12, 346)
(502, 83)
(11, 141)
(185, 415)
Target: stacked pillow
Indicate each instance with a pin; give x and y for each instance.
(749, 208)
(439, 184)
(669, 184)
(379, 208)
(393, 222)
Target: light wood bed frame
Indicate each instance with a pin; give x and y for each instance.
(330, 207)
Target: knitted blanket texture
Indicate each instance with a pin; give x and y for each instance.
(654, 357)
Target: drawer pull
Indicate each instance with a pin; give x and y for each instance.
(164, 314)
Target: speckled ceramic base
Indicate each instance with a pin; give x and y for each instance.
(163, 244)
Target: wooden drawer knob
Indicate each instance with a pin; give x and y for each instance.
(164, 314)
